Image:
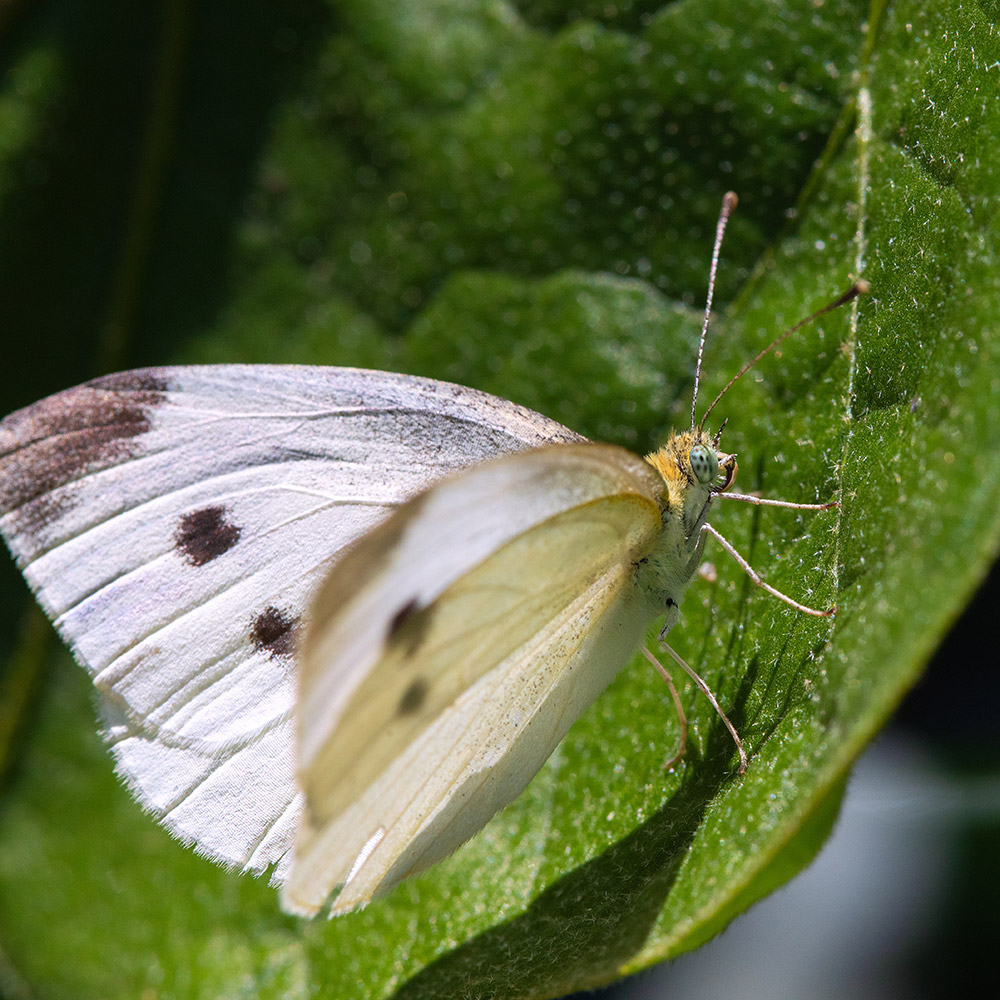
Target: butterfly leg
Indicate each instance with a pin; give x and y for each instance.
(682, 718)
(752, 573)
(705, 690)
(765, 502)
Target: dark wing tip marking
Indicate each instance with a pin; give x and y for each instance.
(205, 534)
(413, 697)
(79, 431)
(274, 632)
(152, 380)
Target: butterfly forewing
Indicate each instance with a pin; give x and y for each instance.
(175, 523)
(444, 635)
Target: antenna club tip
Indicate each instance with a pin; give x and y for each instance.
(730, 201)
(862, 287)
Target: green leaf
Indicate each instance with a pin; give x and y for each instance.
(522, 197)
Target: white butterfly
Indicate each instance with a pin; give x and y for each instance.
(341, 609)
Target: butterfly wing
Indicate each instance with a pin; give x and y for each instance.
(174, 523)
(449, 652)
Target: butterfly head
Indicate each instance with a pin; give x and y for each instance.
(693, 467)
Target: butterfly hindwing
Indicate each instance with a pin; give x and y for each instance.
(450, 651)
(175, 523)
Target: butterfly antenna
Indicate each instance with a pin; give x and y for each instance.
(858, 288)
(729, 202)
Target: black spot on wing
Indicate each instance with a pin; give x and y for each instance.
(204, 535)
(408, 627)
(400, 618)
(274, 632)
(413, 697)
(58, 440)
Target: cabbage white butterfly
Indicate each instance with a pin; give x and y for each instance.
(338, 618)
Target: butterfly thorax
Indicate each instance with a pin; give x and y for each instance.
(692, 469)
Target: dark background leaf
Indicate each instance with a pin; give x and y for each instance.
(522, 197)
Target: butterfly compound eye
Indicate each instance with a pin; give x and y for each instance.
(704, 463)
